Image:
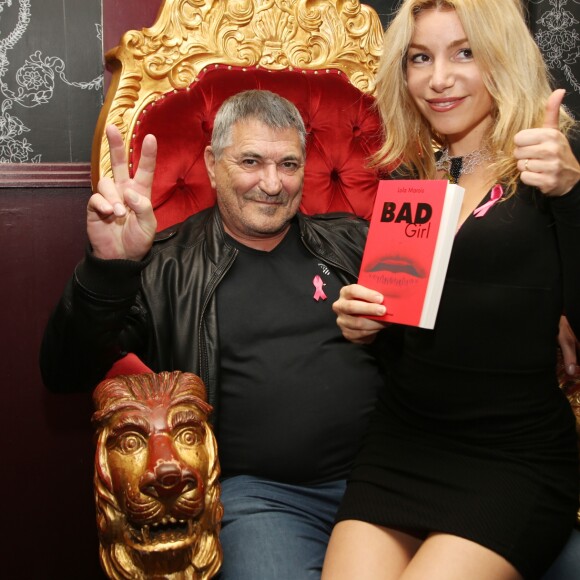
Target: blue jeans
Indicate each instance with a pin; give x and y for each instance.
(567, 565)
(276, 531)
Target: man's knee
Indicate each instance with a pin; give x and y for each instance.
(271, 546)
(567, 565)
(275, 531)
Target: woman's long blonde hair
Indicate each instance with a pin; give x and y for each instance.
(512, 68)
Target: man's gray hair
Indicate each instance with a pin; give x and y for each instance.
(266, 107)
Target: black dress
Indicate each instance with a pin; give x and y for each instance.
(471, 435)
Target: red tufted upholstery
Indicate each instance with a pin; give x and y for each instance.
(343, 129)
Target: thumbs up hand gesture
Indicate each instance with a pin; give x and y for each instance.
(545, 158)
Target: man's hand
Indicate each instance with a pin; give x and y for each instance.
(356, 301)
(120, 219)
(545, 158)
(569, 346)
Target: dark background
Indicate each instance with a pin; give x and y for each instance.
(51, 70)
(52, 77)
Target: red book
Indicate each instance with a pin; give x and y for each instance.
(407, 252)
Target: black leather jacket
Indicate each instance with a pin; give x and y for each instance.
(163, 308)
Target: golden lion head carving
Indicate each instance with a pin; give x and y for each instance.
(156, 481)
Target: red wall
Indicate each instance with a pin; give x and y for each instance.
(49, 518)
(122, 15)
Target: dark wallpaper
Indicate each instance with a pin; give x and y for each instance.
(51, 78)
(51, 69)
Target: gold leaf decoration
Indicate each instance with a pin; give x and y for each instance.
(189, 35)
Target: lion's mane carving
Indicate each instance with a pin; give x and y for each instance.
(156, 478)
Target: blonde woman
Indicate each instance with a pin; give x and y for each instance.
(470, 467)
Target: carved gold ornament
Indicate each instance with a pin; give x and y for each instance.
(571, 388)
(156, 478)
(190, 35)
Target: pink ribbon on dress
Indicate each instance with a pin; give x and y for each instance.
(318, 284)
(496, 194)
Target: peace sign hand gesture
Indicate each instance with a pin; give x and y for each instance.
(120, 219)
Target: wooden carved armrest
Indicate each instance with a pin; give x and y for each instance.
(571, 388)
(156, 480)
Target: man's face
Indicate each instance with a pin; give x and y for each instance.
(258, 180)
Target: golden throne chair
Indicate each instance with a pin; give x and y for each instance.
(170, 79)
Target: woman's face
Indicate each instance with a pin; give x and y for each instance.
(445, 82)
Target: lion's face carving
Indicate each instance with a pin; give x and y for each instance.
(156, 478)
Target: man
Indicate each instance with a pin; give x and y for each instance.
(240, 294)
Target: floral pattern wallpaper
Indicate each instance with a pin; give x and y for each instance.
(51, 70)
(51, 79)
(555, 26)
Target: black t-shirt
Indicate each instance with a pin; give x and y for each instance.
(294, 394)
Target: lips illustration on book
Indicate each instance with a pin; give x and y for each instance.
(394, 266)
(394, 274)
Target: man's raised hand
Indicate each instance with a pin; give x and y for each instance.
(120, 219)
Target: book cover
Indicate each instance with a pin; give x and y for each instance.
(409, 243)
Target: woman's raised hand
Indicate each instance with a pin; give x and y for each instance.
(545, 158)
(356, 301)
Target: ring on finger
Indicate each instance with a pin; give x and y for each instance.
(526, 165)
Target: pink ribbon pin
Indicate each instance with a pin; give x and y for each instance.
(496, 194)
(318, 284)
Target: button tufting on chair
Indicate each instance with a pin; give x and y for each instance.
(342, 124)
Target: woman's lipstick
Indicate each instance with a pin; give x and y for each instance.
(444, 104)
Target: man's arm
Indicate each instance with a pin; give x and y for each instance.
(100, 315)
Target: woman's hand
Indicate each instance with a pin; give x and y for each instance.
(354, 303)
(569, 345)
(545, 158)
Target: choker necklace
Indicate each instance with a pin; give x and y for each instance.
(455, 167)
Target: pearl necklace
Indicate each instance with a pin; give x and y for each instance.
(456, 166)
